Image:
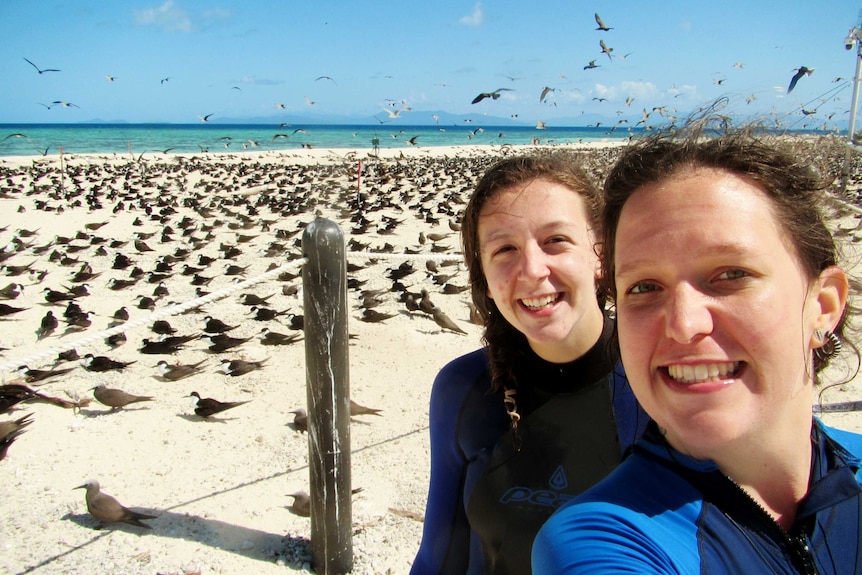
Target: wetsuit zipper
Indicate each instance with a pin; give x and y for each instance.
(797, 544)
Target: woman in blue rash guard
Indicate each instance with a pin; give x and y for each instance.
(543, 411)
(730, 302)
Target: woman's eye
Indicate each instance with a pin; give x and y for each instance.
(732, 274)
(640, 288)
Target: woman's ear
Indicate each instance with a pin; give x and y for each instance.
(831, 288)
(597, 248)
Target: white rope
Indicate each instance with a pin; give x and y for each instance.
(404, 257)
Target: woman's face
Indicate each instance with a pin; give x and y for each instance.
(715, 314)
(540, 264)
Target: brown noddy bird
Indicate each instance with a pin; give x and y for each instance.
(302, 502)
(300, 419)
(116, 398)
(356, 409)
(107, 509)
(445, 322)
(206, 406)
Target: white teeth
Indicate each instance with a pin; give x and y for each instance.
(539, 302)
(702, 372)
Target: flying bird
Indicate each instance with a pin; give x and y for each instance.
(110, 78)
(40, 70)
(326, 78)
(801, 71)
(601, 24)
(545, 91)
(205, 118)
(493, 95)
(65, 104)
(591, 65)
(606, 50)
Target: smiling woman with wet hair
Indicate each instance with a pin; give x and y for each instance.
(543, 411)
(729, 303)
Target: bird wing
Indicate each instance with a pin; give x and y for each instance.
(480, 97)
(799, 73)
(600, 22)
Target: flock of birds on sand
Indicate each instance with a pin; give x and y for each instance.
(394, 107)
(178, 247)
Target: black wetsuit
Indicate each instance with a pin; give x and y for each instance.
(490, 491)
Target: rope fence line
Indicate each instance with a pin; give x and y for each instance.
(52, 352)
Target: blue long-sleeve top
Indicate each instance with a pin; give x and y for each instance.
(662, 512)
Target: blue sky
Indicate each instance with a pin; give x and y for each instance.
(264, 59)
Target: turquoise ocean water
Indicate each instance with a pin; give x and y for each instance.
(195, 138)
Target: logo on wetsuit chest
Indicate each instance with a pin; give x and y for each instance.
(552, 497)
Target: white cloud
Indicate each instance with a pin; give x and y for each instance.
(476, 18)
(167, 16)
(642, 90)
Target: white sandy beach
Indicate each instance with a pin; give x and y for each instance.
(219, 487)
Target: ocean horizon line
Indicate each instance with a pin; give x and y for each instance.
(33, 139)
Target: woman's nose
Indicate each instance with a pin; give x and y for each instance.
(688, 315)
(534, 263)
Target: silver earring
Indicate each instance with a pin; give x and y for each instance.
(831, 345)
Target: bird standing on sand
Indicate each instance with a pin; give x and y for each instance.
(237, 367)
(101, 363)
(116, 398)
(178, 371)
(269, 337)
(206, 406)
(300, 419)
(35, 375)
(222, 342)
(12, 291)
(801, 71)
(445, 322)
(47, 327)
(301, 504)
(106, 509)
(9, 310)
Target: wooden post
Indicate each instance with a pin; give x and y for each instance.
(324, 278)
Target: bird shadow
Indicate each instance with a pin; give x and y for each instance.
(103, 412)
(210, 419)
(251, 543)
